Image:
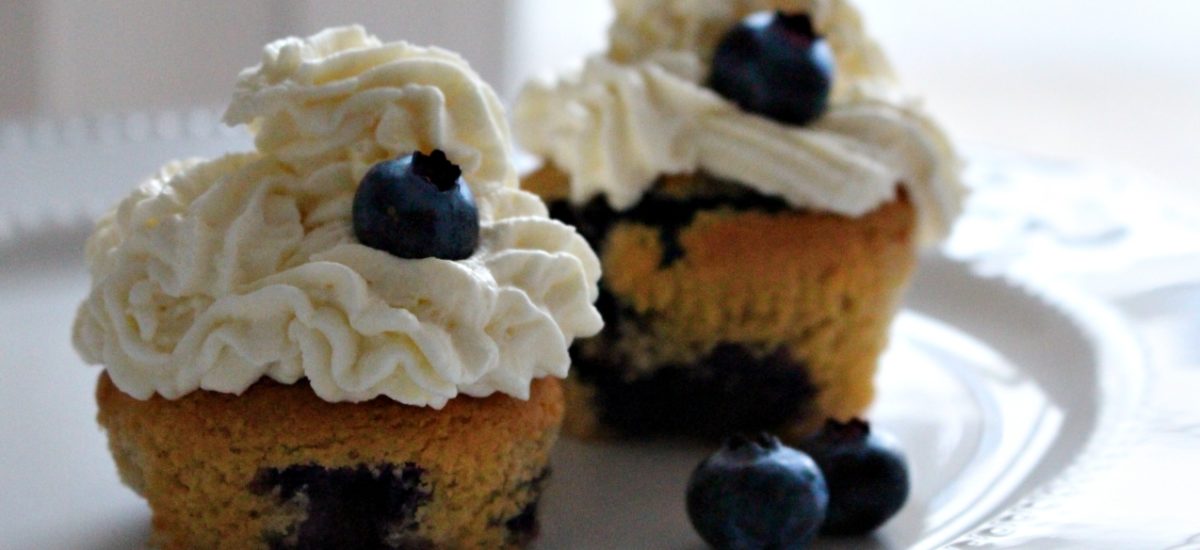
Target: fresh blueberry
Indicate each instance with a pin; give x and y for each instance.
(867, 475)
(757, 493)
(417, 207)
(776, 65)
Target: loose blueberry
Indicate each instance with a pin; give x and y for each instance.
(867, 475)
(756, 493)
(417, 207)
(776, 65)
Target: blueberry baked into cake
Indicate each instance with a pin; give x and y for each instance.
(757, 187)
(351, 336)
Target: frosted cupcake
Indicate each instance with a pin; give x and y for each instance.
(757, 187)
(351, 336)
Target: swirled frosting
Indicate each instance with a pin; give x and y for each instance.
(216, 273)
(641, 110)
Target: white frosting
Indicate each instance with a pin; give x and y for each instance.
(214, 274)
(642, 111)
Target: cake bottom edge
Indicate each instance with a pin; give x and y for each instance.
(278, 468)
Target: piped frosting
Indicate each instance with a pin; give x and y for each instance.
(641, 111)
(216, 273)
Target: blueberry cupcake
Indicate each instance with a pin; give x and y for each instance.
(758, 188)
(351, 336)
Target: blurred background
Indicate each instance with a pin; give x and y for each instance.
(1107, 80)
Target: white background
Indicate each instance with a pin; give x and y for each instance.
(1109, 80)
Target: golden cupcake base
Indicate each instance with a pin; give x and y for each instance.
(277, 467)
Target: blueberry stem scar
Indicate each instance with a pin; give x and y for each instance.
(436, 169)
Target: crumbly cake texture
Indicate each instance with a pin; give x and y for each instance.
(728, 311)
(278, 467)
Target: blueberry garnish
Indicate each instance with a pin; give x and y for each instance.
(757, 493)
(417, 207)
(775, 64)
(867, 475)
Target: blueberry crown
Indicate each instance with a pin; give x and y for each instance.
(760, 442)
(436, 169)
(856, 429)
(798, 25)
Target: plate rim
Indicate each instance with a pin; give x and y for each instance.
(1122, 367)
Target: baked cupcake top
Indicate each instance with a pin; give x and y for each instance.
(216, 273)
(643, 110)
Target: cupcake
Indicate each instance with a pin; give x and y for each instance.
(758, 188)
(351, 336)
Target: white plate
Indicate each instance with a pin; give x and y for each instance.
(993, 391)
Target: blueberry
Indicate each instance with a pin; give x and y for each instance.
(867, 475)
(417, 207)
(757, 494)
(776, 65)
(350, 507)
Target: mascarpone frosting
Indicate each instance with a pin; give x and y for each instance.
(642, 110)
(216, 273)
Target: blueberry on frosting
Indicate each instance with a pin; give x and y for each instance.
(216, 274)
(417, 206)
(776, 65)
